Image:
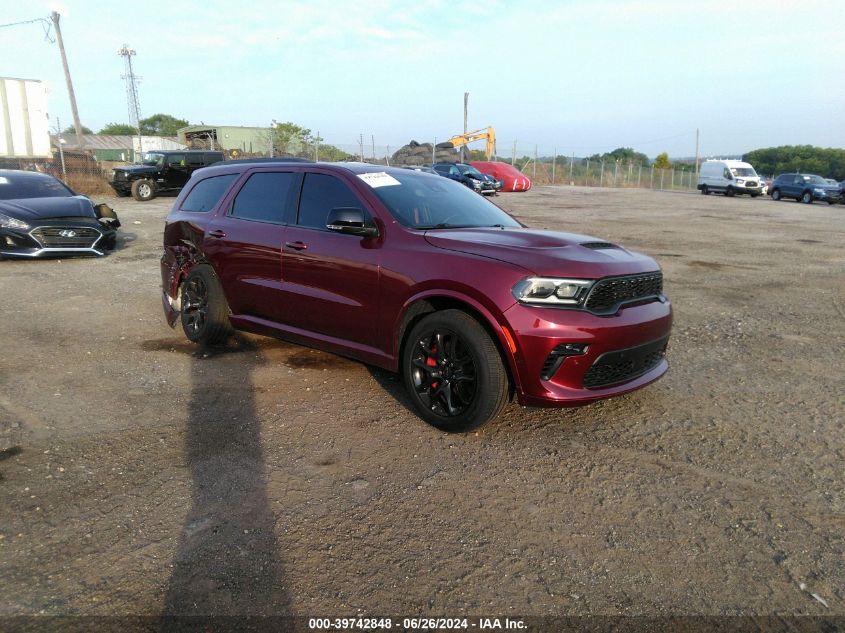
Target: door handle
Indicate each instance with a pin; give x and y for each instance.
(217, 233)
(297, 246)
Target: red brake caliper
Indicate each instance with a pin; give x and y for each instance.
(432, 363)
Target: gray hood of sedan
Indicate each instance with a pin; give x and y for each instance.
(45, 208)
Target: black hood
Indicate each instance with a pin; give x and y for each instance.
(30, 209)
(138, 169)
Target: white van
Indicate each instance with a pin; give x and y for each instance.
(729, 177)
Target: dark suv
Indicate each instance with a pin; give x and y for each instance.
(160, 172)
(418, 275)
(804, 187)
(469, 176)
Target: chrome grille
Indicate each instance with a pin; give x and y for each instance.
(66, 236)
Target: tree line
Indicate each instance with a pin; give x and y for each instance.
(824, 161)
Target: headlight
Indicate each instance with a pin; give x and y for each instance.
(12, 223)
(551, 291)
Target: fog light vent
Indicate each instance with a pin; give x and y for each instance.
(558, 355)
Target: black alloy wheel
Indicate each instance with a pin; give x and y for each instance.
(205, 317)
(454, 372)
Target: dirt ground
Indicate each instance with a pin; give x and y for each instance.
(143, 477)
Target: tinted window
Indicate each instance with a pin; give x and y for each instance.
(320, 194)
(194, 159)
(263, 197)
(175, 159)
(207, 193)
(16, 187)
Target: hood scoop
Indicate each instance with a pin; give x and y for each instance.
(599, 245)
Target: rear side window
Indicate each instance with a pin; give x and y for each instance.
(207, 193)
(320, 194)
(263, 197)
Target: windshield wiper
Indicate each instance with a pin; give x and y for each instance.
(443, 225)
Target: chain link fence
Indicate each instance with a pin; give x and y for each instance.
(87, 173)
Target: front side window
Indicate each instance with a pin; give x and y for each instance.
(264, 197)
(320, 194)
(207, 193)
(175, 159)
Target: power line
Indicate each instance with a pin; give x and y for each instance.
(45, 23)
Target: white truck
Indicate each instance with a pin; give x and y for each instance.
(24, 123)
(730, 177)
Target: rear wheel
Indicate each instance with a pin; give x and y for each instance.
(205, 313)
(705, 191)
(776, 195)
(807, 198)
(143, 190)
(453, 371)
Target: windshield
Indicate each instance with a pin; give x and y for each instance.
(19, 187)
(425, 201)
(153, 158)
(469, 169)
(743, 171)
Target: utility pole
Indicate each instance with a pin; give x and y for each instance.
(54, 16)
(61, 142)
(696, 152)
(513, 156)
(463, 148)
(132, 100)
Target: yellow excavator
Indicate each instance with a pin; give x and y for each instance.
(462, 139)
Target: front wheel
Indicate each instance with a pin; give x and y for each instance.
(807, 198)
(143, 190)
(453, 371)
(776, 195)
(729, 192)
(205, 313)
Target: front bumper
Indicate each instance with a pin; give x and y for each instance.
(121, 186)
(58, 239)
(827, 196)
(623, 352)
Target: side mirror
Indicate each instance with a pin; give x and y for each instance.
(349, 220)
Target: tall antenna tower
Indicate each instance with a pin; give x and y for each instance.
(131, 91)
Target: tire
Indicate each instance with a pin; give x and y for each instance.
(205, 313)
(705, 191)
(807, 197)
(776, 195)
(143, 190)
(729, 192)
(453, 372)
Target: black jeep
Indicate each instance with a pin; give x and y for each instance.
(160, 171)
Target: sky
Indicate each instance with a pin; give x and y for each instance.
(577, 77)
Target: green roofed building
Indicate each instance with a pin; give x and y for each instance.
(246, 140)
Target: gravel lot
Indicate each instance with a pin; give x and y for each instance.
(142, 477)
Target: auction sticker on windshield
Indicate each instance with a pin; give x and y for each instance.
(379, 179)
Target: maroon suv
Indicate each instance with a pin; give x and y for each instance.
(416, 274)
